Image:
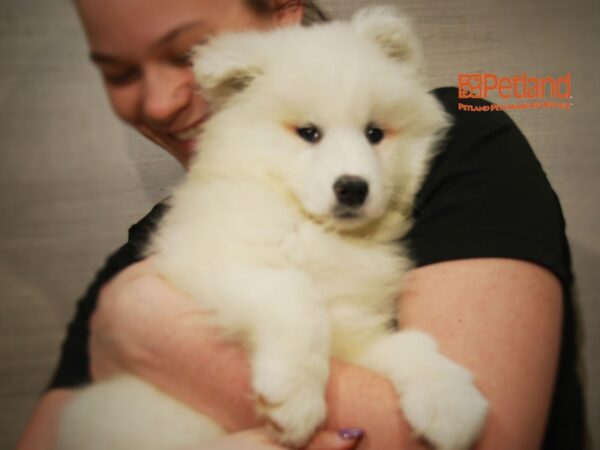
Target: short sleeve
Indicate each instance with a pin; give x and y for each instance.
(486, 195)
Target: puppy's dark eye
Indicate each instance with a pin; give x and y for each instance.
(374, 134)
(309, 133)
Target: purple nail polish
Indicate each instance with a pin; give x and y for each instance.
(351, 433)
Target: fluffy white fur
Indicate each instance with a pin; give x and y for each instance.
(256, 236)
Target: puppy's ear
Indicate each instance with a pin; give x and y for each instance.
(392, 31)
(226, 65)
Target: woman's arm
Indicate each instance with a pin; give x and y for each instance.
(498, 317)
(40, 432)
(144, 326)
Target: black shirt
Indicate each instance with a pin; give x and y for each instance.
(486, 195)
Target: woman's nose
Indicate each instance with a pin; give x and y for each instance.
(167, 92)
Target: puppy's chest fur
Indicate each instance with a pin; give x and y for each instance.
(345, 269)
(219, 224)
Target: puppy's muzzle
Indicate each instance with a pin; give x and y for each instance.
(351, 191)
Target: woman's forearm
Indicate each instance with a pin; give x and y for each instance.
(213, 376)
(161, 335)
(501, 319)
(356, 397)
(41, 430)
(486, 315)
(152, 330)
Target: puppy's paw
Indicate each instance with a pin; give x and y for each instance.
(293, 407)
(445, 407)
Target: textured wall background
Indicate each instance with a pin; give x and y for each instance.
(72, 179)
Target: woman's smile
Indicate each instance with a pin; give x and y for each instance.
(145, 64)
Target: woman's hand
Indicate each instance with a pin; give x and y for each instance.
(258, 439)
(138, 314)
(144, 326)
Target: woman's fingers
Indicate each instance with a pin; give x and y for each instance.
(345, 439)
(258, 439)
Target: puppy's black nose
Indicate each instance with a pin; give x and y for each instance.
(351, 191)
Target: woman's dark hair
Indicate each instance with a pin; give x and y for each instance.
(312, 12)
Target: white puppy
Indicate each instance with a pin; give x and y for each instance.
(287, 228)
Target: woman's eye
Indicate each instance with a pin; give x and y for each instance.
(183, 60)
(374, 134)
(121, 79)
(309, 133)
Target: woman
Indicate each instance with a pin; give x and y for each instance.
(491, 283)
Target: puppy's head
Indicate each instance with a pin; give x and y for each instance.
(337, 116)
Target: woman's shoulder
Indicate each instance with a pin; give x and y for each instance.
(481, 122)
(141, 231)
(484, 140)
(487, 195)
(479, 114)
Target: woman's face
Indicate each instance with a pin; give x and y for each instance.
(140, 47)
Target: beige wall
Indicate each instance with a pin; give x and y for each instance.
(72, 179)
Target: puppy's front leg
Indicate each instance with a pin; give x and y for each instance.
(290, 354)
(437, 396)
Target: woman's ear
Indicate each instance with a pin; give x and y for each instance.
(287, 12)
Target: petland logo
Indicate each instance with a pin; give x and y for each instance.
(539, 92)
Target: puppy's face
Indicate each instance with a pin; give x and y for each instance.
(345, 140)
(335, 115)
